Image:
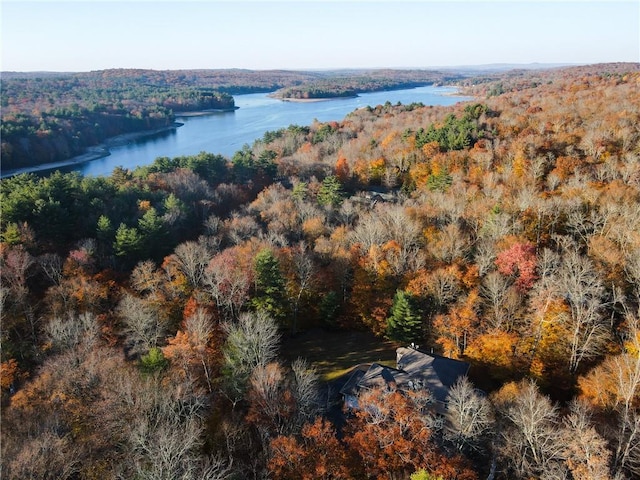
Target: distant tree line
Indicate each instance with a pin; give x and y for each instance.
(358, 82)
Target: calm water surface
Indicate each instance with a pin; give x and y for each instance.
(226, 133)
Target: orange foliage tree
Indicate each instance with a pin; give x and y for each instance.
(497, 351)
(371, 297)
(315, 454)
(457, 329)
(194, 350)
(342, 170)
(391, 435)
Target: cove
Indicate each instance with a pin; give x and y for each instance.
(226, 132)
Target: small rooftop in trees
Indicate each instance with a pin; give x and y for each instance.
(415, 370)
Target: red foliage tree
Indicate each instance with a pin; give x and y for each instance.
(519, 260)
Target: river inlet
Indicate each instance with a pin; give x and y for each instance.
(226, 132)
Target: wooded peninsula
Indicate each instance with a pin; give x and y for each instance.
(50, 117)
(205, 317)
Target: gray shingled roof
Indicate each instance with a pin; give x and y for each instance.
(434, 372)
(416, 369)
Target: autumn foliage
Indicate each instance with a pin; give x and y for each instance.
(142, 313)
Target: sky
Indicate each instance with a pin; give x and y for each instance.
(85, 35)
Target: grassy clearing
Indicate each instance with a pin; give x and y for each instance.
(335, 353)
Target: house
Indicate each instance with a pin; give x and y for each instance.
(415, 370)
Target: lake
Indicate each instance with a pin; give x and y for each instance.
(226, 132)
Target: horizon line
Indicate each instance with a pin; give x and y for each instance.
(495, 65)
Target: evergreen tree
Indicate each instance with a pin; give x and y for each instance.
(300, 191)
(104, 234)
(330, 192)
(243, 162)
(11, 234)
(269, 285)
(104, 229)
(128, 242)
(328, 309)
(151, 228)
(405, 323)
(153, 361)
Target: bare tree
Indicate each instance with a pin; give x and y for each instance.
(272, 407)
(143, 327)
(303, 270)
(212, 225)
(632, 270)
(469, 416)
(444, 285)
(215, 468)
(275, 239)
(578, 281)
(502, 300)
(51, 264)
(485, 256)
(47, 456)
(227, 280)
(305, 389)
(369, 232)
(240, 228)
(188, 185)
(451, 244)
(405, 233)
(145, 278)
(15, 270)
(252, 341)
(348, 212)
(548, 263)
(192, 259)
(499, 225)
(531, 441)
(586, 452)
(626, 372)
(167, 435)
(68, 333)
(164, 448)
(627, 452)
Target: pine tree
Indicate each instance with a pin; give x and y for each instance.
(330, 192)
(128, 241)
(269, 285)
(151, 228)
(405, 323)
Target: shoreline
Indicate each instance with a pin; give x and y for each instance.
(324, 99)
(313, 100)
(101, 150)
(207, 111)
(94, 152)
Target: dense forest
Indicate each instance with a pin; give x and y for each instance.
(352, 83)
(148, 317)
(55, 117)
(50, 117)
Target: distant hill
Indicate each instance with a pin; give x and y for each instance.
(503, 67)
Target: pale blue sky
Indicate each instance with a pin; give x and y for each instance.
(91, 35)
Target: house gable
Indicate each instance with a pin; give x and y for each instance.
(415, 370)
(434, 372)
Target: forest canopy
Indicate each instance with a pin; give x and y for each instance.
(149, 317)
